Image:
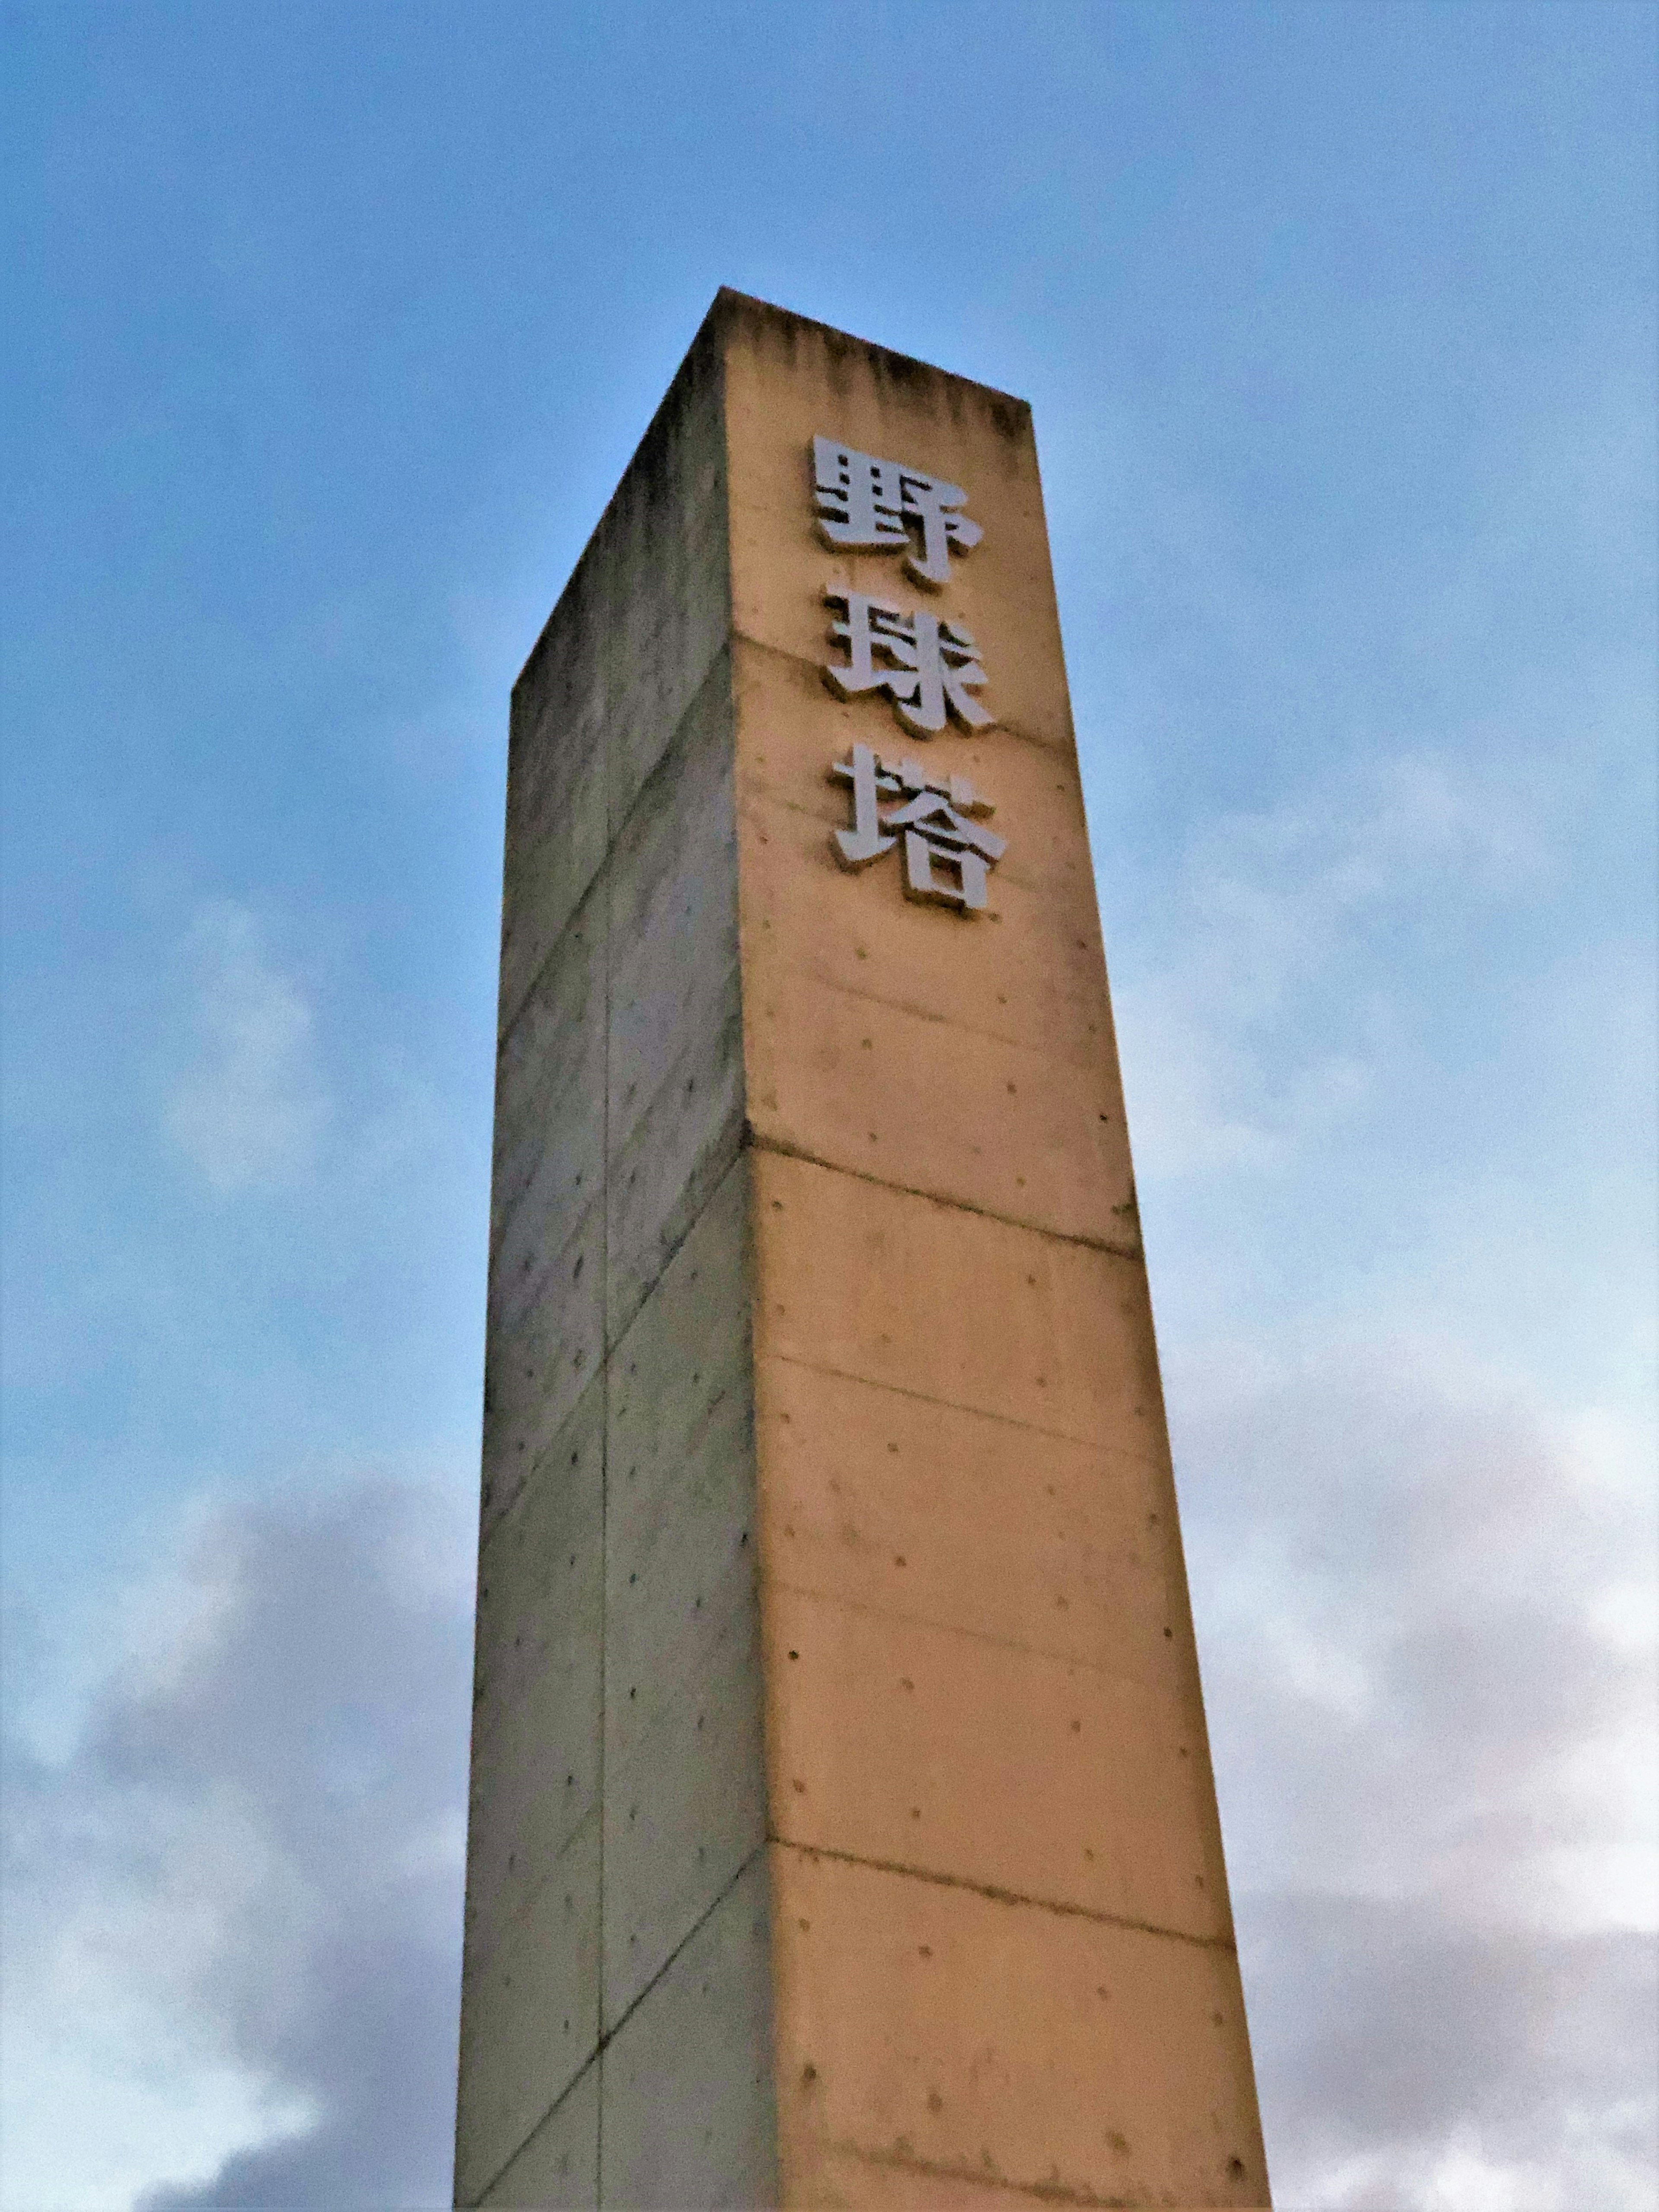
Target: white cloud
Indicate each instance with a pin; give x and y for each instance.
(1467, 2174)
(1402, 1568)
(251, 1108)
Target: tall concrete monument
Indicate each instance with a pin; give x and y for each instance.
(842, 1827)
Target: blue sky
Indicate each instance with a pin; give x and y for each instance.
(330, 330)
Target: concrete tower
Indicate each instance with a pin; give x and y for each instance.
(842, 1825)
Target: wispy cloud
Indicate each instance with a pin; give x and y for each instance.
(250, 1108)
(1258, 1005)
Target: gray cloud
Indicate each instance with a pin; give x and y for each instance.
(1407, 2058)
(258, 1838)
(1399, 1582)
(1431, 1746)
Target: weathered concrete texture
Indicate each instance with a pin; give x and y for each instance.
(842, 1826)
(675, 1057)
(618, 1771)
(684, 1798)
(688, 2114)
(623, 653)
(978, 1067)
(559, 2167)
(531, 2002)
(545, 1341)
(939, 2036)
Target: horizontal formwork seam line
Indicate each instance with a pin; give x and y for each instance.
(999, 1896)
(950, 1628)
(608, 2035)
(1085, 1063)
(951, 1405)
(1040, 2192)
(802, 660)
(754, 1141)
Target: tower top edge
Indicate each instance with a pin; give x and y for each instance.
(731, 308)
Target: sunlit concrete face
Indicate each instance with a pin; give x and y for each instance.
(842, 1827)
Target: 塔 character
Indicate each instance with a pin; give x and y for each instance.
(935, 821)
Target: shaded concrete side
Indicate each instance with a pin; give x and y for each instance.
(684, 1807)
(616, 1789)
(686, 2070)
(635, 629)
(688, 2117)
(559, 2167)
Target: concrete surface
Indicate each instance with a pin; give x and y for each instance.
(843, 1831)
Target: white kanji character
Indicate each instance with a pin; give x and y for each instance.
(933, 829)
(867, 505)
(934, 663)
(857, 846)
(934, 822)
(860, 500)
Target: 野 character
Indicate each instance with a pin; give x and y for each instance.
(868, 505)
